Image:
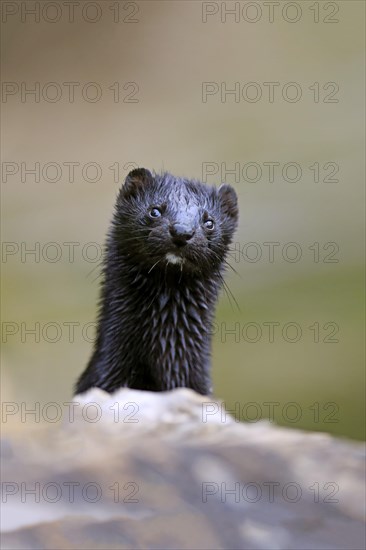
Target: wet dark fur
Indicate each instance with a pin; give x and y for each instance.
(155, 317)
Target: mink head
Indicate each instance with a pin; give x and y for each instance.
(163, 222)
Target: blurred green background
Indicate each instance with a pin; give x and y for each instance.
(313, 383)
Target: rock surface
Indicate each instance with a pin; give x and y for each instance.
(174, 471)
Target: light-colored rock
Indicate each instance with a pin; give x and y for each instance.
(174, 471)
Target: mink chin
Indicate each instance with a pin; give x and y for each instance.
(163, 270)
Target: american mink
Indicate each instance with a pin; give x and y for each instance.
(163, 270)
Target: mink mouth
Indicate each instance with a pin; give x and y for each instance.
(181, 260)
(161, 253)
(174, 258)
(183, 255)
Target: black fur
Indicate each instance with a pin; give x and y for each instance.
(155, 317)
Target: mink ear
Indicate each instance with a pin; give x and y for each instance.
(136, 180)
(229, 201)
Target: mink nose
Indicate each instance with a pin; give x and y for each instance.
(181, 233)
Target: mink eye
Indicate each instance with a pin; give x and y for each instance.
(209, 224)
(155, 212)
